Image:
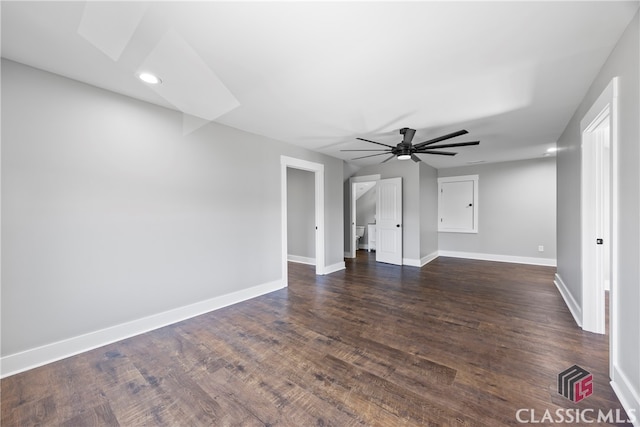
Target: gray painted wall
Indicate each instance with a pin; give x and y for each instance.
(428, 210)
(517, 209)
(110, 213)
(623, 62)
(409, 172)
(301, 233)
(366, 211)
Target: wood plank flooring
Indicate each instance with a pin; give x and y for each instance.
(455, 343)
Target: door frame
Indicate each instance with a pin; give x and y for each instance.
(352, 218)
(593, 297)
(318, 171)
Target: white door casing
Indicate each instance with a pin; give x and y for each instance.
(389, 221)
(318, 170)
(599, 201)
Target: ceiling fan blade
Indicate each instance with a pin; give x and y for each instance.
(442, 153)
(453, 144)
(388, 151)
(370, 155)
(387, 159)
(441, 138)
(415, 158)
(379, 143)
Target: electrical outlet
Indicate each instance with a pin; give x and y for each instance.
(540, 248)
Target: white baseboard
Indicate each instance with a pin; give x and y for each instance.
(420, 262)
(32, 358)
(428, 258)
(301, 259)
(334, 267)
(549, 262)
(347, 254)
(627, 395)
(574, 308)
(411, 262)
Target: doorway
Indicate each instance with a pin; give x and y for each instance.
(599, 213)
(318, 171)
(301, 222)
(388, 217)
(365, 214)
(353, 222)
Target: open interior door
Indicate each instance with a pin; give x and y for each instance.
(389, 221)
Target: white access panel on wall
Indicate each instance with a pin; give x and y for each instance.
(458, 204)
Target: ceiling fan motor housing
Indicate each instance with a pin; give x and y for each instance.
(408, 135)
(402, 150)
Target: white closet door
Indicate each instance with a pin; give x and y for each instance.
(389, 221)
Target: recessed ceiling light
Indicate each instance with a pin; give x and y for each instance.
(149, 78)
(552, 149)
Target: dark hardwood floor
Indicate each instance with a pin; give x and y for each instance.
(457, 342)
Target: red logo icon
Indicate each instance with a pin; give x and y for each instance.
(575, 383)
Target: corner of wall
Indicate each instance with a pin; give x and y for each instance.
(574, 307)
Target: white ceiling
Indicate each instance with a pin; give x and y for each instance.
(320, 74)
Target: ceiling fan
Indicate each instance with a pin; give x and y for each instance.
(405, 150)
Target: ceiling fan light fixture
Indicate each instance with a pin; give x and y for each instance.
(403, 152)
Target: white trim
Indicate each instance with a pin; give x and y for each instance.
(318, 170)
(593, 299)
(366, 178)
(625, 392)
(571, 303)
(549, 262)
(420, 262)
(334, 267)
(301, 259)
(32, 358)
(428, 258)
(347, 254)
(284, 222)
(614, 329)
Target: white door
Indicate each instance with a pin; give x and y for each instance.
(389, 221)
(595, 217)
